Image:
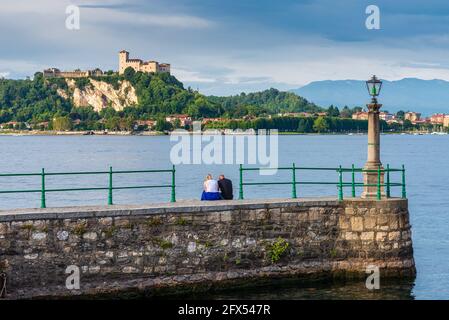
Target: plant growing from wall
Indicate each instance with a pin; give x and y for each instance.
(80, 229)
(109, 232)
(164, 244)
(333, 253)
(277, 250)
(29, 227)
(154, 222)
(181, 222)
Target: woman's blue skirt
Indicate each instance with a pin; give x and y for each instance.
(210, 196)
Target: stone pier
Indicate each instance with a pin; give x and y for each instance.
(189, 245)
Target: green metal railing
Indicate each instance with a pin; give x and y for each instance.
(110, 188)
(340, 184)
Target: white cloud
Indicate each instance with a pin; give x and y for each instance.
(96, 15)
(11, 67)
(191, 76)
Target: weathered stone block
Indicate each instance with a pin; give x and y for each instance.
(38, 236)
(394, 236)
(351, 236)
(344, 223)
(92, 236)
(393, 222)
(357, 223)
(3, 228)
(213, 217)
(369, 222)
(381, 236)
(382, 219)
(105, 221)
(315, 214)
(130, 269)
(226, 216)
(367, 236)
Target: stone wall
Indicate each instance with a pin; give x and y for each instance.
(193, 244)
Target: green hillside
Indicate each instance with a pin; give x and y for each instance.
(37, 100)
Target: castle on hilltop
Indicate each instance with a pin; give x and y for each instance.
(139, 65)
(124, 62)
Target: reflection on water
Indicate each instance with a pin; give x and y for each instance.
(322, 290)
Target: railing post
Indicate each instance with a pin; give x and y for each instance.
(173, 185)
(340, 184)
(110, 202)
(294, 181)
(241, 183)
(378, 183)
(353, 181)
(388, 181)
(404, 194)
(43, 202)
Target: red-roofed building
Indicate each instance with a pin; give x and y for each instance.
(183, 118)
(437, 118)
(360, 116)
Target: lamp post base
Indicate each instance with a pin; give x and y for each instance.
(371, 180)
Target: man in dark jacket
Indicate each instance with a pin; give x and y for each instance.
(225, 186)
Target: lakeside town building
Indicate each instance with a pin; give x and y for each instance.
(437, 118)
(360, 115)
(412, 116)
(184, 119)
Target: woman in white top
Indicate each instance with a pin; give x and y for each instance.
(210, 189)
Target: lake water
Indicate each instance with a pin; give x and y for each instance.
(425, 157)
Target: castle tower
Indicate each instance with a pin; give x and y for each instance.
(123, 58)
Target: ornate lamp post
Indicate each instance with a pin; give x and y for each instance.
(373, 163)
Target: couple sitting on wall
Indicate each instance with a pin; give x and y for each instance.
(217, 190)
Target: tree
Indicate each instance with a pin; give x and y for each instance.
(62, 123)
(177, 123)
(113, 123)
(162, 125)
(305, 125)
(129, 73)
(333, 111)
(400, 115)
(320, 124)
(345, 112)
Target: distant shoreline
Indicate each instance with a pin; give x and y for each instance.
(158, 133)
(77, 133)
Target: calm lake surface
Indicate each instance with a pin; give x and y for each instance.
(426, 159)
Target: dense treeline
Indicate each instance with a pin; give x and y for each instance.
(296, 124)
(266, 102)
(30, 100)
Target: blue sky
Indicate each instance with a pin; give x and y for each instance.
(225, 47)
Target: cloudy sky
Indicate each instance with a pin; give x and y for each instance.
(225, 47)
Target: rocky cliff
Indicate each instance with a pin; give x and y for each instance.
(99, 94)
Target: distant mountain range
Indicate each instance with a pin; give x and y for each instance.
(409, 94)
